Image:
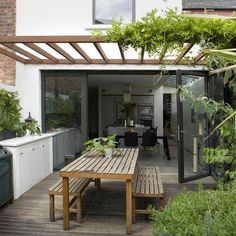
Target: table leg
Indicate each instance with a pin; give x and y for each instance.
(166, 147)
(97, 183)
(65, 183)
(128, 207)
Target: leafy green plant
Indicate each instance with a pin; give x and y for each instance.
(198, 213)
(225, 152)
(159, 35)
(9, 110)
(128, 109)
(32, 127)
(101, 143)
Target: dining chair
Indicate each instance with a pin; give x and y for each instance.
(131, 139)
(149, 139)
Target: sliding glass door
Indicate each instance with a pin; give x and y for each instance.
(192, 128)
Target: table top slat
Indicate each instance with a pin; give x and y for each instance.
(93, 164)
(134, 161)
(121, 151)
(130, 162)
(124, 160)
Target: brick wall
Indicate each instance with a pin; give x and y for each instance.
(7, 27)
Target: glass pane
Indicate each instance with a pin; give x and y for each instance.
(106, 10)
(63, 102)
(194, 129)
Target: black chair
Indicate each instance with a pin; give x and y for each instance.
(149, 139)
(131, 139)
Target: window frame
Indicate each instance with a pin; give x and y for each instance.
(133, 12)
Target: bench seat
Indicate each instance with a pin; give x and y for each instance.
(76, 188)
(147, 184)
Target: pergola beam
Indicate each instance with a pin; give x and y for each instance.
(12, 55)
(74, 42)
(22, 51)
(41, 51)
(81, 52)
(183, 52)
(142, 55)
(162, 54)
(121, 53)
(101, 52)
(52, 39)
(199, 57)
(61, 51)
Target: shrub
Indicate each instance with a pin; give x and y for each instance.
(204, 212)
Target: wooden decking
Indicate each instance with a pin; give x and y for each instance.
(102, 215)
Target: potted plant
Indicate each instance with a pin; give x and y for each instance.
(9, 114)
(28, 128)
(104, 145)
(127, 110)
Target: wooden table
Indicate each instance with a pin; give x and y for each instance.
(93, 165)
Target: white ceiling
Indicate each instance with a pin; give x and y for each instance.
(133, 80)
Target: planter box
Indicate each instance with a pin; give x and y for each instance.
(7, 135)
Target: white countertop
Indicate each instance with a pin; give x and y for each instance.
(14, 142)
(19, 141)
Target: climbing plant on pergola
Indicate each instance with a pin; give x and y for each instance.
(159, 35)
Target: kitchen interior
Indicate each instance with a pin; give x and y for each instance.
(121, 102)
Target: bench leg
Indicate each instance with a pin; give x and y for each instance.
(79, 209)
(133, 210)
(97, 183)
(51, 208)
(162, 203)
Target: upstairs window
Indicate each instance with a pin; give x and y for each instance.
(106, 10)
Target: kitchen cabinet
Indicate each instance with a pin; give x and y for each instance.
(32, 161)
(66, 142)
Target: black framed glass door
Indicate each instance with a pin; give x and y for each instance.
(192, 127)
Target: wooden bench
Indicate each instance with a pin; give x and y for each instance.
(76, 188)
(147, 184)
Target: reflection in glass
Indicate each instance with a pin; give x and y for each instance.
(63, 102)
(106, 10)
(194, 129)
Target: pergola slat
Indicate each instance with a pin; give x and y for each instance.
(142, 55)
(73, 41)
(101, 52)
(199, 57)
(61, 51)
(22, 51)
(99, 61)
(41, 51)
(52, 39)
(12, 55)
(121, 53)
(183, 52)
(81, 52)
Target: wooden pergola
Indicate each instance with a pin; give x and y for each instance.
(42, 50)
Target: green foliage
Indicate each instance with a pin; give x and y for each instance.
(225, 152)
(127, 110)
(32, 127)
(155, 33)
(101, 143)
(63, 112)
(9, 110)
(200, 213)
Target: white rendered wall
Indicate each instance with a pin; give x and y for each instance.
(8, 87)
(66, 17)
(144, 6)
(28, 84)
(71, 17)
